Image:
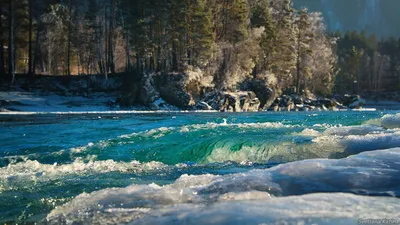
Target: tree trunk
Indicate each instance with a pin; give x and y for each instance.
(11, 69)
(126, 37)
(111, 37)
(298, 78)
(105, 39)
(69, 38)
(35, 55)
(2, 66)
(30, 39)
(174, 57)
(78, 52)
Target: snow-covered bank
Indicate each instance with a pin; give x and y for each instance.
(24, 102)
(31, 102)
(21, 102)
(383, 105)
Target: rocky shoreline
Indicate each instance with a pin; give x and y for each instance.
(157, 91)
(153, 92)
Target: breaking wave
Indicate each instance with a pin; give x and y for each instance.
(187, 169)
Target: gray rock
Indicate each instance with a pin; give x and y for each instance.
(172, 88)
(264, 93)
(244, 101)
(351, 101)
(130, 97)
(148, 93)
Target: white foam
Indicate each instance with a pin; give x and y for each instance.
(365, 110)
(332, 143)
(159, 132)
(354, 130)
(33, 170)
(308, 132)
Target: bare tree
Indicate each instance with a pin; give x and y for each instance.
(11, 64)
(69, 37)
(2, 67)
(111, 37)
(30, 38)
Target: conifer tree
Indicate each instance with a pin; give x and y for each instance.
(236, 21)
(262, 17)
(285, 58)
(200, 33)
(303, 48)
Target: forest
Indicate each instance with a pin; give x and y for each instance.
(219, 43)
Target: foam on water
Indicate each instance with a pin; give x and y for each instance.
(372, 173)
(332, 143)
(34, 170)
(226, 160)
(389, 121)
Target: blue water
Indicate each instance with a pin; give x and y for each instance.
(47, 160)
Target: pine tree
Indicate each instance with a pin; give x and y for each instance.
(236, 22)
(262, 17)
(285, 58)
(200, 33)
(303, 49)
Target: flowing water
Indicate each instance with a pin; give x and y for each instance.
(186, 168)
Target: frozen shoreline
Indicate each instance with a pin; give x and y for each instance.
(383, 105)
(25, 103)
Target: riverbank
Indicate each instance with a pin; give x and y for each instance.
(163, 93)
(22, 102)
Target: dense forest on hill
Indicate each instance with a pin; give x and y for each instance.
(217, 43)
(377, 17)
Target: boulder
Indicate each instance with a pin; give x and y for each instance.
(283, 103)
(172, 88)
(148, 93)
(264, 93)
(243, 101)
(215, 99)
(351, 101)
(297, 99)
(130, 97)
(230, 102)
(326, 103)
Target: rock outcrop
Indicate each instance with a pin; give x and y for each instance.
(242, 101)
(172, 88)
(148, 93)
(264, 93)
(350, 101)
(130, 97)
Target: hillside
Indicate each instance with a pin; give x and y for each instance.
(374, 16)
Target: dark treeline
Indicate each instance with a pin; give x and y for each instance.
(366, 63)
(218, 42)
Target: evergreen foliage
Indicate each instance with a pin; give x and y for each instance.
(227, 40)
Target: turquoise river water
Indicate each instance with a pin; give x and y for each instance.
(200, 168)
